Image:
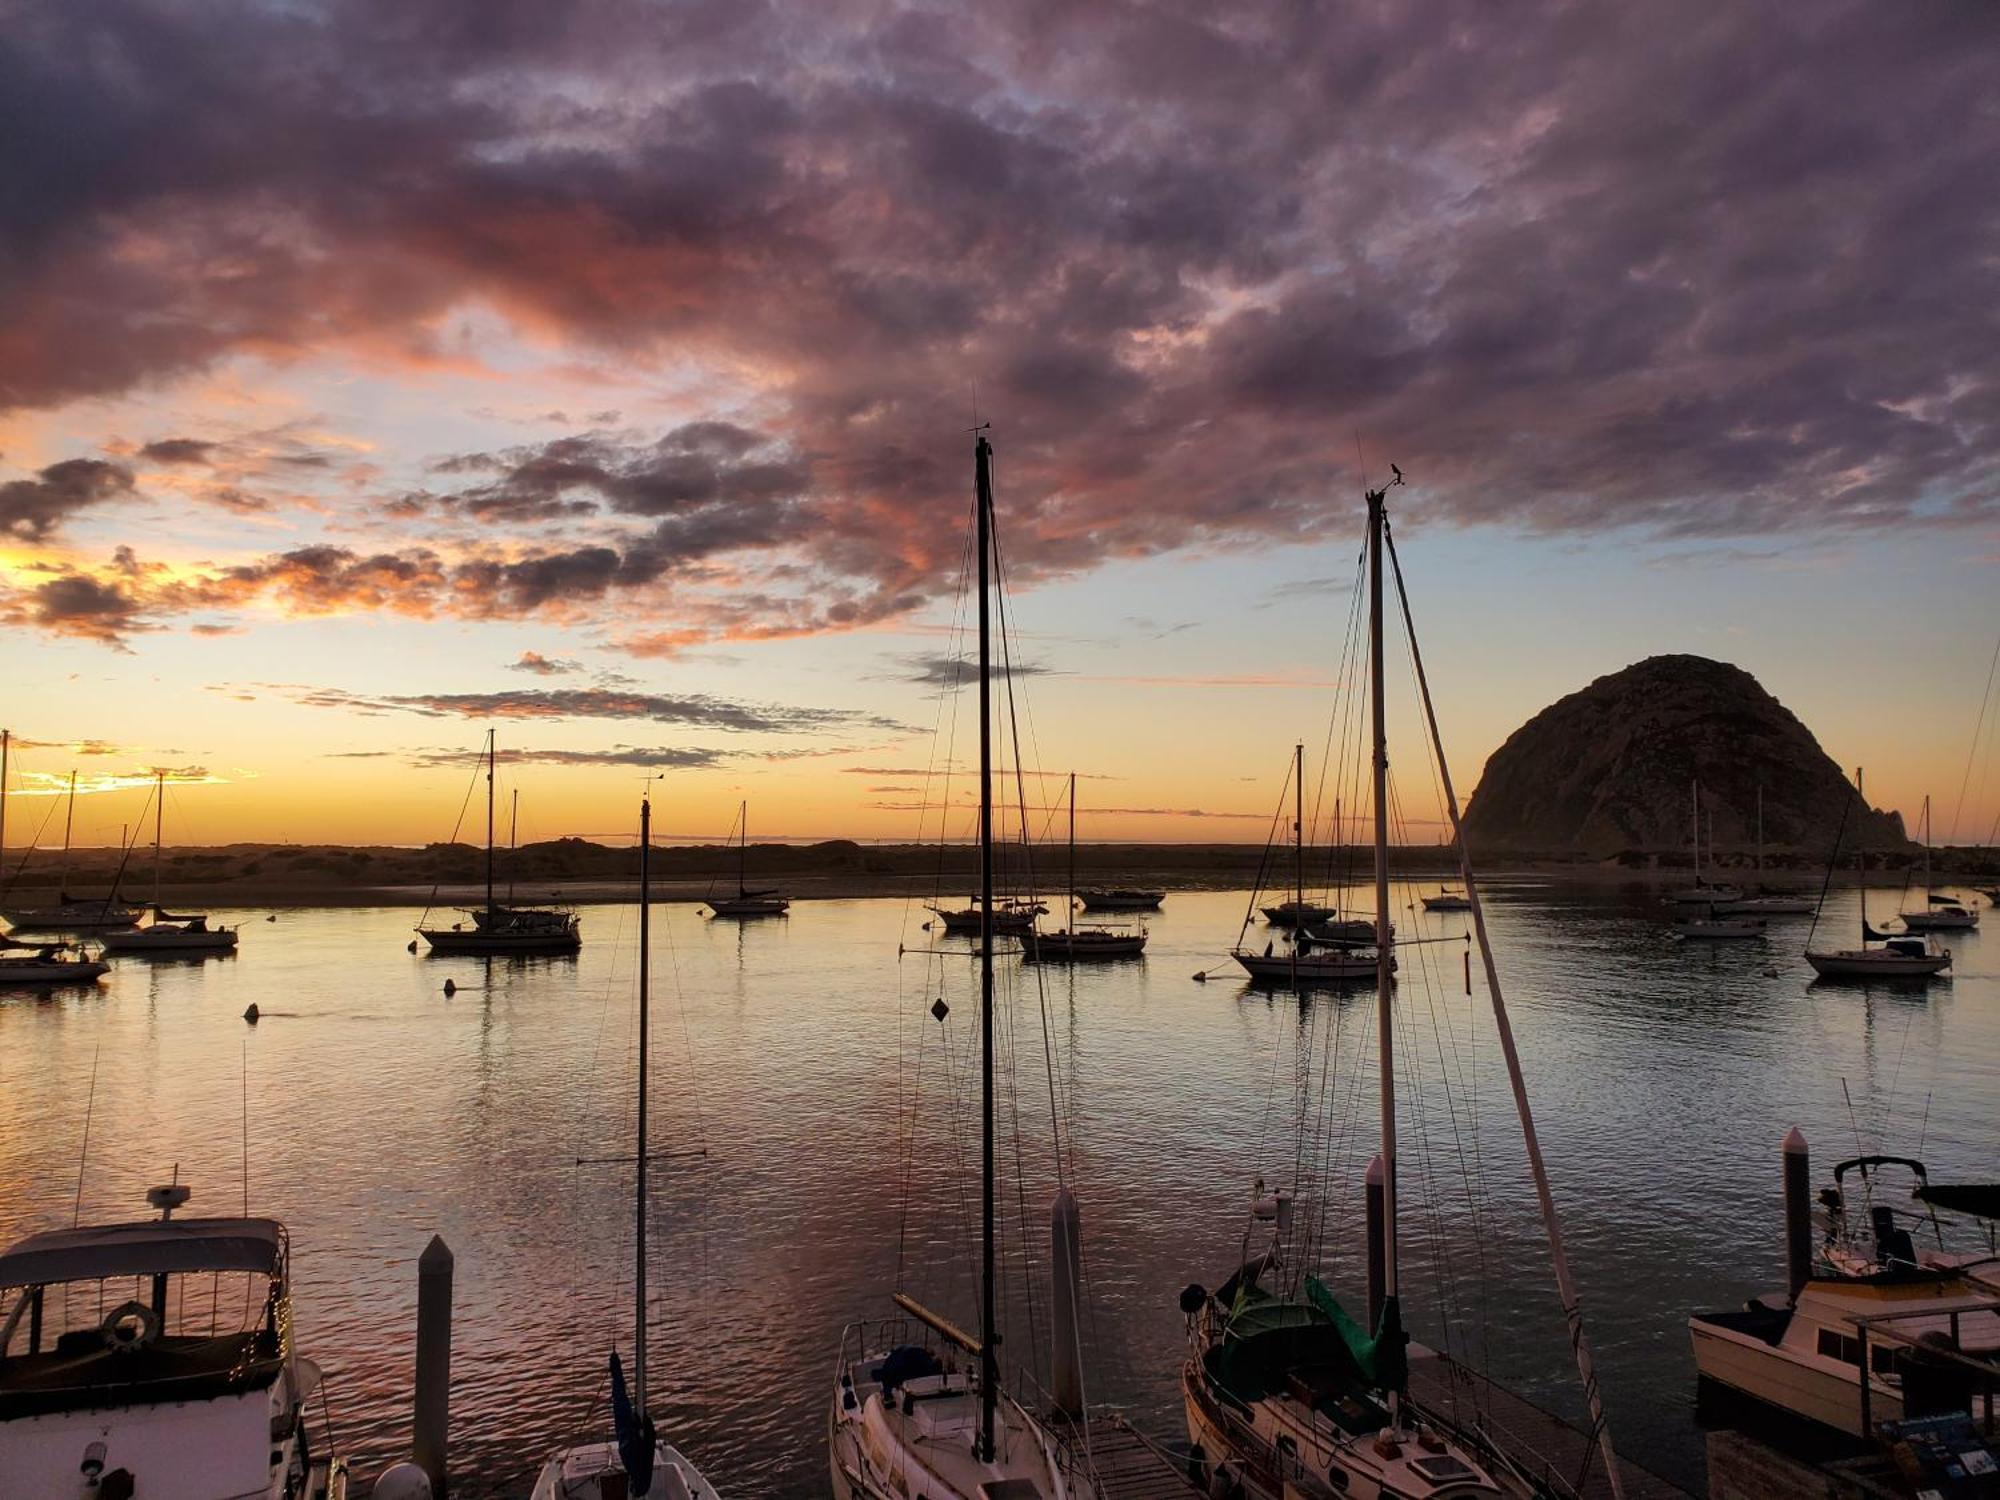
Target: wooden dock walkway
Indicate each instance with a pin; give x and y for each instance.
(1521, 1427)
(1128, 1464)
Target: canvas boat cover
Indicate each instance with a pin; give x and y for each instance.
(107, 1251)
(1981, 1198)
(1270, 1340)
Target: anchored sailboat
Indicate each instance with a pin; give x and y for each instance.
(501, 929)
(746, 902)
(1898, 957)
(1939, 913)
(1281, 1388)
(634, 1462)
(1076, 944)
(70, 913)
(169, 935)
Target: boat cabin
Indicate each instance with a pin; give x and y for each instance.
(162, 1348)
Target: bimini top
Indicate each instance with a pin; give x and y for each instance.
(153, 1246)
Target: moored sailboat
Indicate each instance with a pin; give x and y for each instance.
(746, 902)
(1280, 1390)
(44, 965)
(1074, 944)
(497, 928)
(918, 1406)
(72, 914)
(635, 1461)
(1939, 913)
(167, 934)
(1897, 957)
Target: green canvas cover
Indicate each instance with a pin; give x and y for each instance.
(1384, 1359)
(1251, 1367)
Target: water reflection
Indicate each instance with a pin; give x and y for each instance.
(381, 1111)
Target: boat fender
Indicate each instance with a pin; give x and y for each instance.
(404, 1481)
(129, 1326)
(1386, 1445)
(1194, 1297)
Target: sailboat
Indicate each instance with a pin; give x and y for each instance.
(1898, 957)
(1076, 944)
(746, 902)
(71, 913)
(44, 965)
(1281, 1390)
(1703, 892)
(1765, 903)
(169, 935)
(918, 1407)
(1940, 913)
(634, 1461)
(501, 929)
(1317, 953)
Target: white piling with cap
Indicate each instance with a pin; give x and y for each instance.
(1066, 1266)
(433, 1398)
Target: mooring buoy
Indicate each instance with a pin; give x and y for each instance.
(450, 988)
(252, 1013)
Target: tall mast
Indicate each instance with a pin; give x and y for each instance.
(69, 820)
(743, 848)
(513, 842)
(1384, 948)
(1299, 825)
(6, 738)
(491, 737)
(1069, 915)
(1694, 809)
(159, 821)
(1861, 853)
(1927, 851)
(1758, 868)
(989, 1365)
(639, 1209)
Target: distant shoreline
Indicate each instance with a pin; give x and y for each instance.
(570, 872)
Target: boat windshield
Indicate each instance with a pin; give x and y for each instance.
(132, 1314)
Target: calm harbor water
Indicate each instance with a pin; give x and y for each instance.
(787, 1058)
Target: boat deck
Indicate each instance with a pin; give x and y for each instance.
(1567, 1453)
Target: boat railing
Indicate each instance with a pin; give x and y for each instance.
(1983, 1374)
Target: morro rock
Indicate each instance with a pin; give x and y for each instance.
(1608, 769)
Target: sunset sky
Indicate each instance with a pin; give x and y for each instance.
(374, 373)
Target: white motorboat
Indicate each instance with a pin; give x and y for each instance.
(634, 1462)
(746, 902)
(132, 1349)
(1805, 1358)
(44, 965)
(501, 928)
(1076, 944)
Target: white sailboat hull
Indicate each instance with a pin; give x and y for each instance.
(35, 972)
(1877, 963)
(1822, 1390)
(1940, 921)
(143, 940)
(1295, 970)
(581, 1473)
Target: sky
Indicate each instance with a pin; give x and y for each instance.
(373, 374)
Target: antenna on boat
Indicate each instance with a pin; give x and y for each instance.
(83, 1153)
